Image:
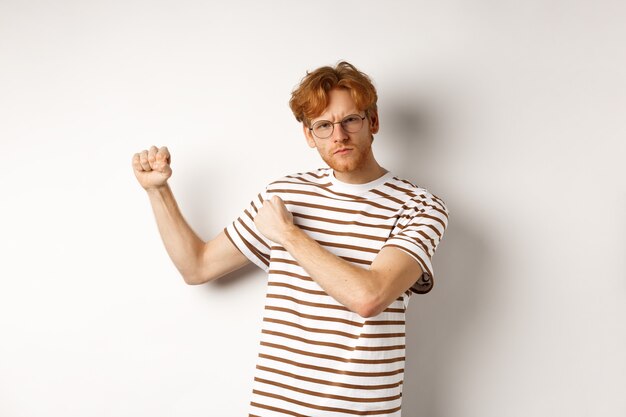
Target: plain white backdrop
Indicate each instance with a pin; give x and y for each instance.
(512, 112)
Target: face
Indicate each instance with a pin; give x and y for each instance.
(343, 151)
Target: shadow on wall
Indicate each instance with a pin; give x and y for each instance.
(437, 322)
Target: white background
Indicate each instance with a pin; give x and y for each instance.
(513, 112)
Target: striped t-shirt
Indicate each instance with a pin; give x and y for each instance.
(316, 357)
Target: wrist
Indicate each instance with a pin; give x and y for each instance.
(157, 190)
(292, 234)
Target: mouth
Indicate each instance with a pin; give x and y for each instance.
(342, 151)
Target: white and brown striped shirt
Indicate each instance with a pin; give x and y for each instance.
(317, 358)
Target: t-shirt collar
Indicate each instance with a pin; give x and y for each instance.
(358, 188)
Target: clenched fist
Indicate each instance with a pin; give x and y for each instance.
(152, 167)
(274, 220)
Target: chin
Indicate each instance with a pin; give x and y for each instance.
(342, 167)
(345, 166)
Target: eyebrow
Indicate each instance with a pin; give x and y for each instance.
(328, 120)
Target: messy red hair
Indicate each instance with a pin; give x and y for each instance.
(310, 98)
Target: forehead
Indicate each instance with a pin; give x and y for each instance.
(340, 105)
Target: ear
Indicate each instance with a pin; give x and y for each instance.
(308, 136)
(373, 119)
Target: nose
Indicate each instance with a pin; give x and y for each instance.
(339, 134)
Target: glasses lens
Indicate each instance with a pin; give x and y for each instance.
(323, 129)
(352, 123)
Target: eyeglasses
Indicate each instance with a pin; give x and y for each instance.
(324, 129)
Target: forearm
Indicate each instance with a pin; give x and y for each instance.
(366, 292)
(181, 242)
(353, 286)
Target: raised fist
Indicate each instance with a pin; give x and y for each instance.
(152, 167)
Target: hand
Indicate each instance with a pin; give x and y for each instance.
(274, 221)
(152, 168)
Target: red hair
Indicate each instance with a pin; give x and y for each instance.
(310, 98)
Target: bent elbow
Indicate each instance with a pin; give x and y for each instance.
(190, 280)
(369, 309)
(193, 279)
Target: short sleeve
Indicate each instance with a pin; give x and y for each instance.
(244, 235)
(418, 233)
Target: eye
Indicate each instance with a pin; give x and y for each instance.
(352, 119)
(322, 125)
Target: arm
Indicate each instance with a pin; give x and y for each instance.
(366, 292)
(197, 261)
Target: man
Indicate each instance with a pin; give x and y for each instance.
(344, 248)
